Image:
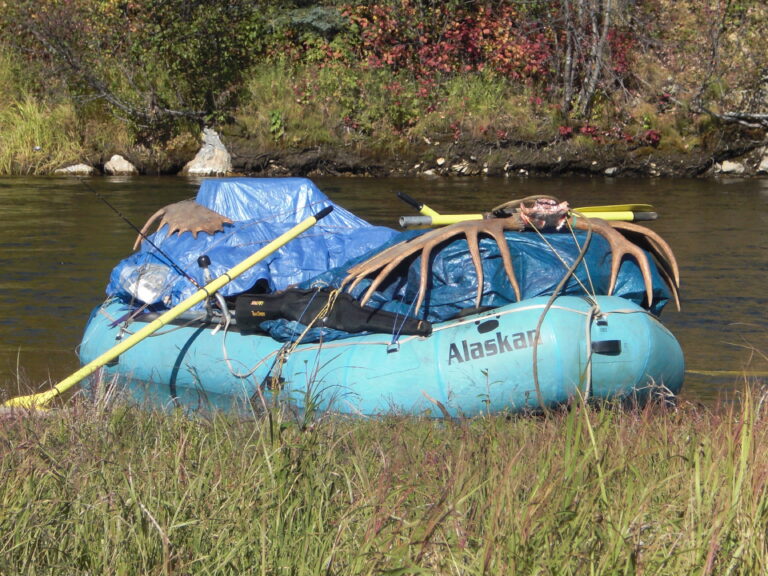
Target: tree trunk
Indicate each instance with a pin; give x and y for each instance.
(568, 65)
(597, 56)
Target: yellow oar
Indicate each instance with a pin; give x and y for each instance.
(617, 208)
(38, 400)
(624, 212)
(430, 217)
(436, 220)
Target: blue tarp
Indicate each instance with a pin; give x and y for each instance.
(262, 209)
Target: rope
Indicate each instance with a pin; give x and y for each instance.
(330, 303)
(397, 330)
(593, 311)
(547, 306)
(576, 241)
(588, 292)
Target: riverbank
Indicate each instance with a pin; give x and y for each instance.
(104, 488)
(668, 89)
(742, 158)
(745, 155)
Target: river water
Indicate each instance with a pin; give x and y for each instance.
(59, 240)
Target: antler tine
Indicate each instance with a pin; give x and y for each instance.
(143, 232)
(497, 233)
(471, 231)
(673, 287)
(393, 256)
(385, 262)
(656, 245)
(385, 256)
(362, 269)
(380, 277)
(620, 247)
(474, 252)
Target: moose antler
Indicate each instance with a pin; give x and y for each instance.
(184, 216)
(543, 213)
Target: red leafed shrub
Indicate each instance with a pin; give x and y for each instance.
(450, 37)
(622, 44)
(651, 138)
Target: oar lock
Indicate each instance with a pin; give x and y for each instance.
(205, 262)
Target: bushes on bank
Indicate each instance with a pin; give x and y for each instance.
(385, 75)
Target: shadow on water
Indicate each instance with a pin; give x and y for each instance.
(60, 243)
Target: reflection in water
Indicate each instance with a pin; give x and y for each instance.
(59, 243)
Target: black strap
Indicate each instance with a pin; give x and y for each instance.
(303, 305)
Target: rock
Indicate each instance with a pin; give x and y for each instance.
(76, 170)
(465, 168)
(212, 159)
(763, 167)
(612, 171)
(729, 167)
(119, 166)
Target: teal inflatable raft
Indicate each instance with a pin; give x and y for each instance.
(295, 330)
(517, 357)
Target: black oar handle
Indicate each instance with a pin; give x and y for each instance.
(408, 200)
(324, 212)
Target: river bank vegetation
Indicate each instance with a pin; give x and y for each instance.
(656, 87)
(101, 488)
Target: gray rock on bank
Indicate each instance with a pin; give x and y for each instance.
(213, 159)
(76, 170)
(730, 167)
(763, 166)
(119, 166)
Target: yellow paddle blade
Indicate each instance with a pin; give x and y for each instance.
(616, 208)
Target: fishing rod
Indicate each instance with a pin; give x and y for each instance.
(162, 252)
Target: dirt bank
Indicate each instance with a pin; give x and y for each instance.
(474, 158)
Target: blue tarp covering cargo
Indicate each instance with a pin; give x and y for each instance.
(261, 209)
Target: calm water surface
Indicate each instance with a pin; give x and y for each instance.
(59, 242)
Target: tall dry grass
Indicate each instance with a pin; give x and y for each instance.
(107, 488)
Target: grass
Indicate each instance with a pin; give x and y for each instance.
(107, 488)
(294, 106)
(36, 138)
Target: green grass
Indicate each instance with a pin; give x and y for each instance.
(103, 488)
(36, 138)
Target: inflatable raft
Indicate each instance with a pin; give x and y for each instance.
(517, 357)
(455, 359)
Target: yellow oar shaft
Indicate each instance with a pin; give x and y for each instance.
(205, 292)
(616, 208)
(623, 212)
(436, 220)
(447, 219)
